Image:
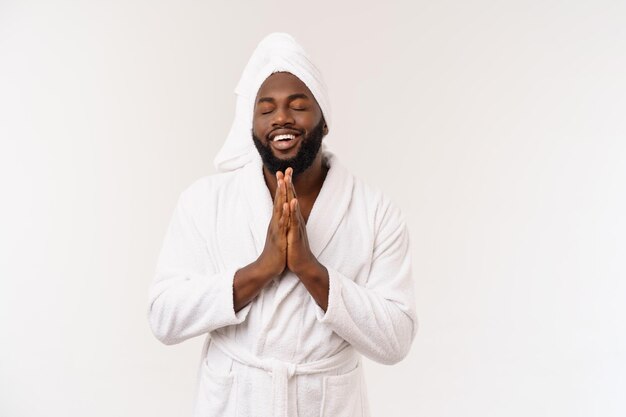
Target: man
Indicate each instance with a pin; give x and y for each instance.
(289, 265)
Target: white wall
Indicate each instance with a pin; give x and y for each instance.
(499, 128)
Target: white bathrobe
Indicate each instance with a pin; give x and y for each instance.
(256, 362)
(282, 355)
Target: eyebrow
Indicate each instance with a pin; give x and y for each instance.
(290, 98)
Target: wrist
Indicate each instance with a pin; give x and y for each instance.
(265, 270)
(310, 270)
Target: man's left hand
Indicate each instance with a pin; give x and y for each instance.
(300, 259)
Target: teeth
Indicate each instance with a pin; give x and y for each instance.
(283, 137)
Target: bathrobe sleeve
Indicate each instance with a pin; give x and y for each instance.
(377, 319)
(188, 297)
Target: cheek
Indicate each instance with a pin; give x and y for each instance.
(308, 121)
(258, 129)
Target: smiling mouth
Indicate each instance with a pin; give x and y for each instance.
(289, 136)
(284, 142)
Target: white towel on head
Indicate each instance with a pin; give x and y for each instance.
(277, 52)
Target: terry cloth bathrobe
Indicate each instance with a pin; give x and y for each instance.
(282, 355)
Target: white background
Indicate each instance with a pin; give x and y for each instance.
(498, 127)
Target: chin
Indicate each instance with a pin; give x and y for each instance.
(285, 156)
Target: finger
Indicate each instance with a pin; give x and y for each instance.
(279, 197)
(288, 216)
(291, 188)
(284, 195)
(294, 213)
(288, 180)
(284, 217)
(300, 218)
(291, 217)
(280, 177)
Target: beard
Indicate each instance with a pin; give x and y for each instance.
(309, 148)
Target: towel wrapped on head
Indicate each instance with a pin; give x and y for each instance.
(277, 52)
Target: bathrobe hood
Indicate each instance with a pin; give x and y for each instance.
(277, 52)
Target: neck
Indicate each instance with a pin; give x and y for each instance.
(307, 183)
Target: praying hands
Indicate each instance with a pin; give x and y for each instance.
(299, 257)
(286, 247)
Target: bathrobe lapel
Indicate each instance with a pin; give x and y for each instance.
(330, 206)
(259, 201)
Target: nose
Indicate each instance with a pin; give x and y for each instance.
(282, 117)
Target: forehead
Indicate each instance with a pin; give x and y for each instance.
(282, 83)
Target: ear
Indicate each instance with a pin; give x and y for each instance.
(325, 129)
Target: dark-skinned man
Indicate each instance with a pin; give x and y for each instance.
(290, 266)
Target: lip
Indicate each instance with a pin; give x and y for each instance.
(285, 145)
(277, 132)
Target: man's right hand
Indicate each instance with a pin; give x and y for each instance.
(273, 259)
(251, 279)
